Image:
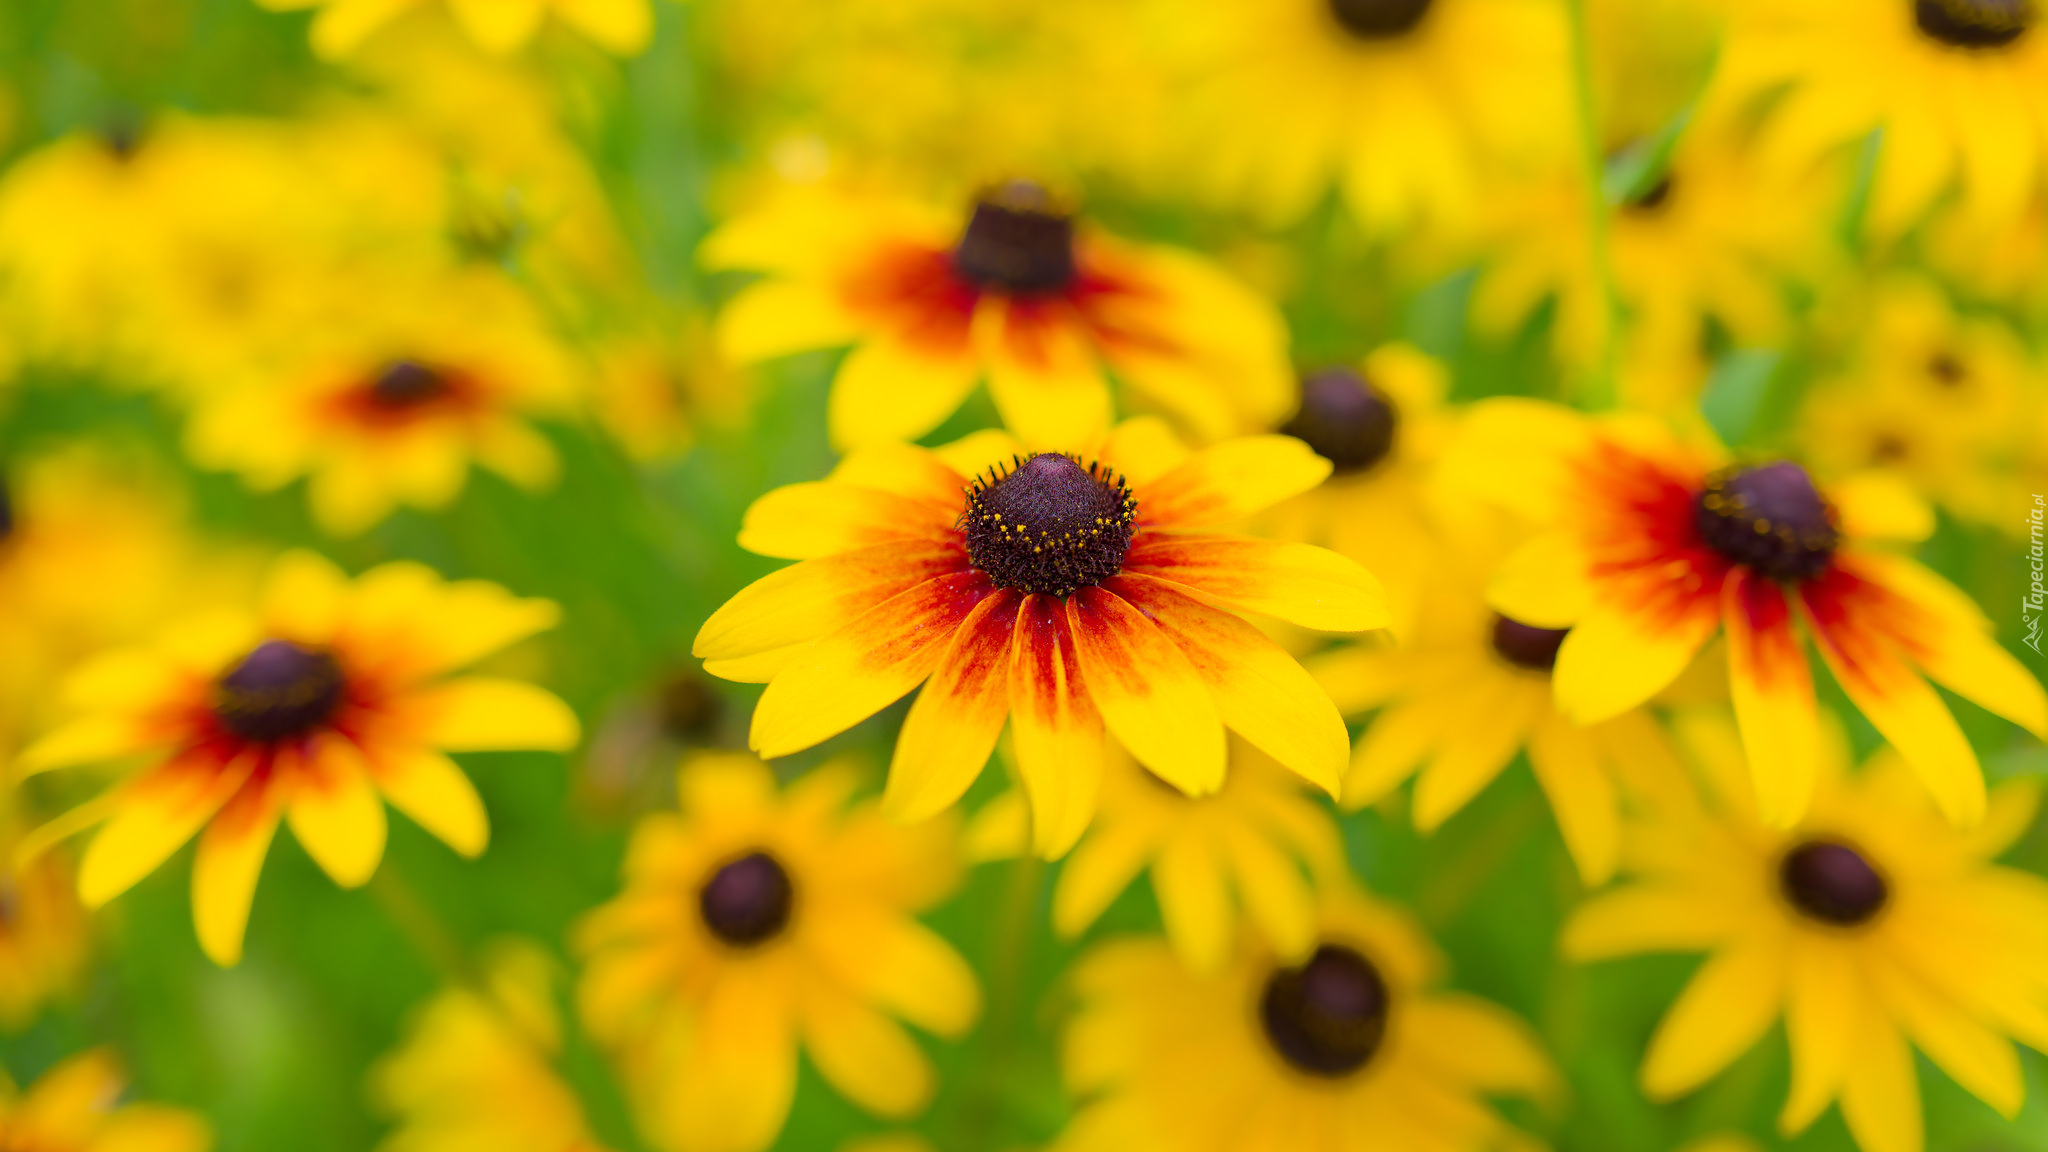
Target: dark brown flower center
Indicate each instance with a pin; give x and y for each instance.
(1327, 1017)
(1974, 24)
(279, 692)
(1947, 371)
(403, 385)
(1378, 19)
(1525, 645)
(1770, 518)
(6, 512)
(690, 709)
(1345, 419)
(1832, 883)
(1018, 242)
(1049, 525)
(748, 901)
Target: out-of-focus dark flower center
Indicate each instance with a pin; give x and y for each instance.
(1975, 24)
(1832, 883)
(1947, 371)
(748, 901)
(403, 385)
(1770, 518)
(1327, 1017)
(1345, 419)
(1018, 242)
(690, 709)
(1652, 199)
(1049, 525)
(6, 512)
(1378, 19)
(1525, 645)
(280, 691)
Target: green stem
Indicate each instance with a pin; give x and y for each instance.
(1009, 947)
(419, 925)
(1600, 389)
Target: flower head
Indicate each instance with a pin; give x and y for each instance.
(1015, 291)
(71, 1109)
(1349, 1048)
(1070, 596)
(334, 697)
(1867, 925)
(756, 921)
(622, 27)
(1655, 547)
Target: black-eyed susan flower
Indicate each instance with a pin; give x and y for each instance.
(757, 922)
(1958, 87)
(332, 698)
(1867, 926)
(1469, 688)
(393, 407)
(44, 935)
(1016, 292)
(1070, 596)
(1352, 1049)
(1252, 848)
(1655, 545)
(72, 1108)
(1406, 105)
(477, 1067)
(622, 27)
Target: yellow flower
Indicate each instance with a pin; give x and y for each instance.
(477, 1067)
(391, 407)
(1252, 845)
(1354, 1050)
(1959, 88)
(1069, 596)
(1930, 396)
(43, 935)
(654, 389)
(1381, 426)
(330, 699)
(71, 1109)
(1653, 545)
(1015, 293)
(1467, 690)
(1405, 104)
(755, 922)
(622, 27)
(1868, 924)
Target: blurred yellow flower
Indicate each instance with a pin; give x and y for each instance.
(330, 699)
(755, 922)
(1352, 1051)
(1867, 924)
(44, 936)
(622, 27)
(72, 1108)
(1018, 294)
(476, 1069)
(390, 406)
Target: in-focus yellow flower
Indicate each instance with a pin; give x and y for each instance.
(1959, 88)
(1932, 396)
(1868, 924)
(391, 407)
(1404, 104)
(1070, 596)
(1464, 692)
(755, 922)
(329, 700)
(622, 27)
(1254, 845)
(1352, 1051)
(476, 1069)
(72, 1108)
(1016, 294)
(1653, 546)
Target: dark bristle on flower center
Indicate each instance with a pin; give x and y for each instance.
(748, 901)
(1976, 24)
(1770, 518)
(1379, 19)
(280, 691)
(404, 384)
(1525, 645)
(6, 512)
(1327, 1017)
(1832, 882)
(1345, 419)
(1017, 241)
(1049, 525)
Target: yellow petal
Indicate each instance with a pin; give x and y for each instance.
(1149, 695)
(499, 25)
(1055, 728)
(1613, 661)
(1313, 587)
(897, 963)
(337, 815)
(779, 317)
(951, 730)
(1881, 1090)
(888, 390)
(433, 792)
(159, 812)
(1727, 1007)
(1101, 867)
(1227, 482)
(867, 1056)
(487, 714)
(621, 27)
(1582, 797)
(225, 870)
(734, 1091)
(1824, 999)
(1194, 903)
(304, 598)
(1973, 1055)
